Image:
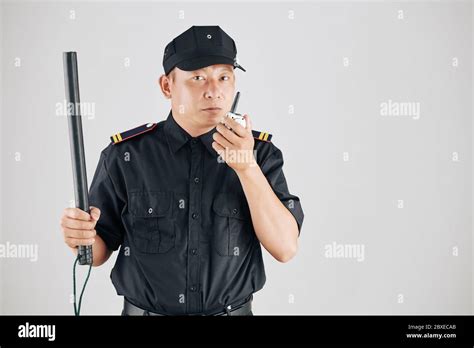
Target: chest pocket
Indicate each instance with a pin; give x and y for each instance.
(153, 224)
(233, 229)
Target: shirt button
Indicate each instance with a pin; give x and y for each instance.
(196, 180)
(193, 141)
(194, 251)
(192, 288)
(195, 216)
(234, 211)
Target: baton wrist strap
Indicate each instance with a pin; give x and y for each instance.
(77, 307)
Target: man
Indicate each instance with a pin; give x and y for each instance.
(191, 199)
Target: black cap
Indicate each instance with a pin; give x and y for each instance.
(198, 47)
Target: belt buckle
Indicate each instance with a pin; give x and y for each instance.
(228, 310)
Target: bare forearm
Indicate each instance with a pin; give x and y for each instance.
(274, 225)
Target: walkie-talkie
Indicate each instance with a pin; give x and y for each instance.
(235, 116)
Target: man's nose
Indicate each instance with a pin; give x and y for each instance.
(213, 90)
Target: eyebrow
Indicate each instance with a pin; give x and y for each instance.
(225, 68)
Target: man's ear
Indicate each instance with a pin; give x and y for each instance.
(165, 86)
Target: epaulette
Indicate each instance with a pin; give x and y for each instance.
(119, 137)
(261, 135)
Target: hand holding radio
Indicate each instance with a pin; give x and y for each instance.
(234, 141)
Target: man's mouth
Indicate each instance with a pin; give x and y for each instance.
(214, 108)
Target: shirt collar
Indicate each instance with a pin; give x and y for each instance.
(177, 136)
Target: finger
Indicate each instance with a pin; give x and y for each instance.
(248, 123)
(79, 234)
(76, 213)
(236, 127)
(74, 242)
(219, 149)
(78, 224)
(95, 213)
(221, 140)
(227, 133)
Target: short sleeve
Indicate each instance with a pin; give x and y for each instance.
(272, 168)
(102, 194)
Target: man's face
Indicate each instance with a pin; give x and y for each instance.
(203, 96)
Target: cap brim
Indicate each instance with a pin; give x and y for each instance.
(202, 62)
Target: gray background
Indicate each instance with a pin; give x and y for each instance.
(290, 62)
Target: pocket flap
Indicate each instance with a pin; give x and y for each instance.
(231, 205)
(149, 203)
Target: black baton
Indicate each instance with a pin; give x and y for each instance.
(76, 142)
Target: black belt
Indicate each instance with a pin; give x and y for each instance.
(240, 308)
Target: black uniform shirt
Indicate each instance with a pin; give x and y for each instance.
(181, 218)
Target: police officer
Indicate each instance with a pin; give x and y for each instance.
(190, 200)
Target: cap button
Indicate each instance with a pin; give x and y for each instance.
(209, 36)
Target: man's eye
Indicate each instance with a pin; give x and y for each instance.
(226, 77)
(197, 78)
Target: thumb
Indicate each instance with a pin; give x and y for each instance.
(95, 213)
